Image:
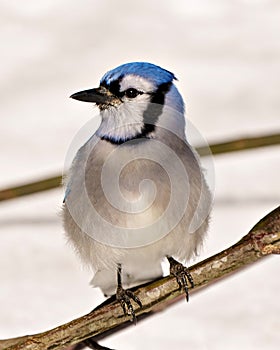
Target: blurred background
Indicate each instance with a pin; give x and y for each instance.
(225, 55)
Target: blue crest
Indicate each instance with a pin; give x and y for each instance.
(149, 71)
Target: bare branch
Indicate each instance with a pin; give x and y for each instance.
(215, 148)
(240, 144)
(262, 240)
(31, 188)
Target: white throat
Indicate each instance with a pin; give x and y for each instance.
(121, 123)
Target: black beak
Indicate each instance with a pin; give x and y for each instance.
(99, 95)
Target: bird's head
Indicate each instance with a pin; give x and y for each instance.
(131, 99)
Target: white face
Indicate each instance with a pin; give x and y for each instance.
(126, 119)
(132, 109)
(136, 82)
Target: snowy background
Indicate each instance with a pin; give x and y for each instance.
(226, 57)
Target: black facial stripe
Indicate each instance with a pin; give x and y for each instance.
(114, 86)
(155, 108)
(159, 96)
(114, 141)
(122, 141)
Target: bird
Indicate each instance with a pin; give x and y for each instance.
(136, 194)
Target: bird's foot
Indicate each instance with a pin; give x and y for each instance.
(92, 344)
(124, 298)
(182, 275)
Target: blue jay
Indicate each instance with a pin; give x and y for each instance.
(136, 193)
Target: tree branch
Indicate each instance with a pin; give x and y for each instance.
(31, 188)
(241, 144)
(263, 239)
(215, 148)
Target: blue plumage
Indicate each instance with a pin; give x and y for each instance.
(149, 71)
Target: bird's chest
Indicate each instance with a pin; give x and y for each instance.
(127, 184)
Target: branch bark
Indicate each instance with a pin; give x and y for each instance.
(262, 240)
(215, 148)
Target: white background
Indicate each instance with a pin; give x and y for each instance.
(226, 57)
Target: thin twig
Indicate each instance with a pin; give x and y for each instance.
(215, 148)
(158, 294)
(30, 188)
(240, 144)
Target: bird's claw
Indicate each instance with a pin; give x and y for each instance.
(92, 344)
(182, 275)
(124, 296)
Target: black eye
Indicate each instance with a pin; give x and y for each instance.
(132, 93)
